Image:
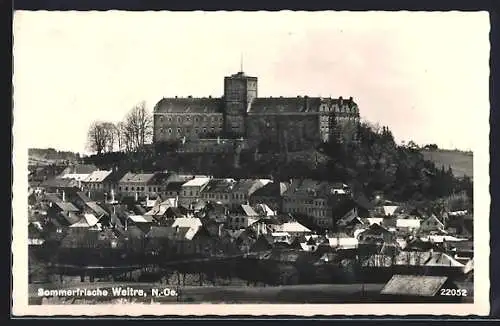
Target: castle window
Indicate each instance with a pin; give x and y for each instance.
(196, 130)
(205, 118)
(169, 119)
(161, 118)
(169, 130)
(179, 130)
(179, 119)
(196, 119)
(204, 130)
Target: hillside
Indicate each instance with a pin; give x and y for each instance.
(47, 156)
(461, 162)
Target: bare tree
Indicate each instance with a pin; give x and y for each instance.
(97, 137)
(120, 135)
(138, 127)
(110, 131)
(101, 137)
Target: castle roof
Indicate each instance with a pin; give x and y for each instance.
(299, 104)
(189, 105)
(276, 105)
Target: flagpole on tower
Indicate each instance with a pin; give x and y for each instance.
(241, 62)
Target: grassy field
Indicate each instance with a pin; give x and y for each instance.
(461, 162)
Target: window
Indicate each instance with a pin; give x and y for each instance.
(132, 188)
(179, 119)
(149, 189)
(169, 119)
(126, 188)
(178, 130)
(120, 188)
(196, 119)
(169, 130)
(204, 130)
(161, 118)
(188, 118)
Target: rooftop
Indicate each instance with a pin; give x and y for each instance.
(196, 182)
(219, 185)
(189, 105)
(137, 177)
(412, 285)
(98, 176)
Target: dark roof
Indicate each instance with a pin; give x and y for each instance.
(71, 218)
(189, 105)
(82, 237)
(174, 186)
(218, 185)
(412, 285)
(97, 209)
(168, 232)
(175, 212)
(83, 196)
(59, 183)
(137, 178)
(52, 197)
(66, 206)
(245, 210)
(245, 185)
(276, 105)
(309, 187)
(272, 189)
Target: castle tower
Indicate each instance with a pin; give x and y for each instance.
(239, 91)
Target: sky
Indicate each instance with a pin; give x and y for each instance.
(425, 75)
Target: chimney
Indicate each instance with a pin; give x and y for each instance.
(220, 230)
(176, 229)
(176, 202)
(341, 100)
(63, 196)
(136, 196)
(88, 195)
(113, 195)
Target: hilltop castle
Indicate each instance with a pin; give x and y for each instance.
(240, 113)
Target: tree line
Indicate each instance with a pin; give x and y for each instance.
(128, 135)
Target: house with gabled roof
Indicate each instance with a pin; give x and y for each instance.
(191, 191)
(142, 184)
(97, 180)
(242, 190)
(270, 194)
(242, 217)
(419, 288)
(431, 224)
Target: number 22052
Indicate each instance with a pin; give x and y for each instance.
(454, 292)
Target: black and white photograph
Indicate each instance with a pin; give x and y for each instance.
(219, 162)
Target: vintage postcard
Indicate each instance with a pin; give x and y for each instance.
(251, 163)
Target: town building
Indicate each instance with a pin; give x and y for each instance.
(270, 194)
(316, 199)
(218, 190)
(283, 121)
(98, 180)
(190, 191)
(141, 184)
